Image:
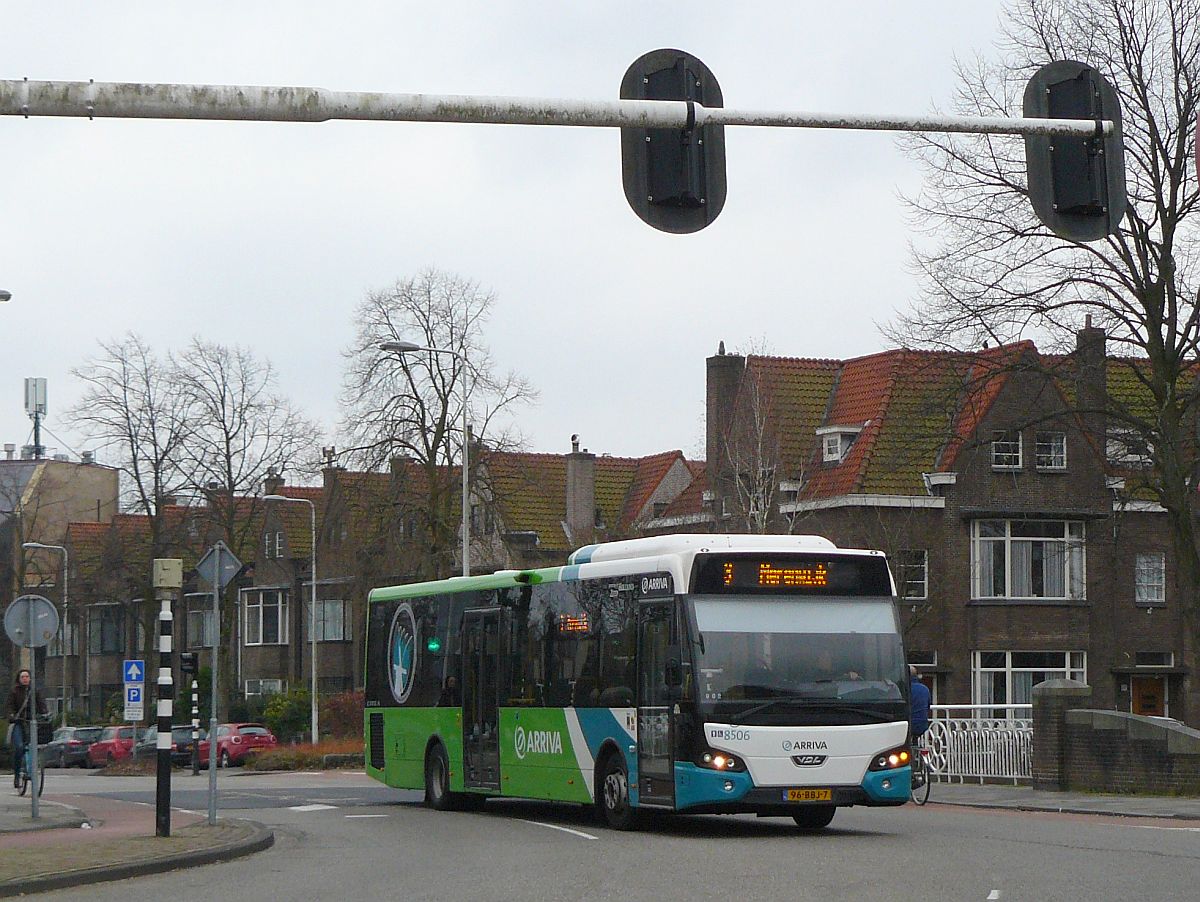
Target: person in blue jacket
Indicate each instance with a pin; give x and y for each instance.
(919, 692)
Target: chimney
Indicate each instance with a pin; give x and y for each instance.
(725, 373)
(87, 457)
(10, 450)
(273, 483)
(1091, 379)
(581, 492)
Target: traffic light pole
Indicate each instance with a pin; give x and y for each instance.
(168, 578)
(134, 100)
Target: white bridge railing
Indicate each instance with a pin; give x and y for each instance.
(981, 742)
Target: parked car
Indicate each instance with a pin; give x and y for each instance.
(236, 742)
(114, 744)
(181, 745)
(69, 746)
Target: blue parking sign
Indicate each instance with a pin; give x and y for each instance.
(133, 695)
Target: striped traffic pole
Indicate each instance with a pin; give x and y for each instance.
(168, 577)
(195, 728)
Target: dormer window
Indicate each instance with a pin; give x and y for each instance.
(836, 442)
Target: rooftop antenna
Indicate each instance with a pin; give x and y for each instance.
(35, 406)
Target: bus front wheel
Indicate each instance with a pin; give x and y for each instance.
(814, 817)
(613, 797)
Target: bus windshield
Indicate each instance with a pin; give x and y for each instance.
(808, 652)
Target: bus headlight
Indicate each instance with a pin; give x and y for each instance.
(720, 761)
(900, 756)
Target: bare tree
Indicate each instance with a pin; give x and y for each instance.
(411, 405)
(131, 406)
(242, 432)
(992, 271)
(751, 449)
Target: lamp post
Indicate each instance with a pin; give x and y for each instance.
(312, 629)
(404, 347)
(63, 623)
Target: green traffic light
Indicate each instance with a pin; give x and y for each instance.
(434, 644)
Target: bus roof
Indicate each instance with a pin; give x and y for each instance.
(670, 553)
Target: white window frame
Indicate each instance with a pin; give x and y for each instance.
(261, 687)
(1070, 665)
(1050, 451)
(324, 606)
(1003, 450)
(69, 631)
(908, 566)
(984, 548)
(267, 545)
(831, 448)
(255, 615)
(1128, 448)
(279, 543)
(1150, 579)
(199, 606)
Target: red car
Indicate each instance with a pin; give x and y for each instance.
(236, 742)
(114, 744)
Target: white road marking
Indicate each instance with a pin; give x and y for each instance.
(994, 894)
(366, 815)
(563, 829)
(311, 807)
(1163, 827)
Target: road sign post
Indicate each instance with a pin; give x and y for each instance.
(218, 567)
(31, 621)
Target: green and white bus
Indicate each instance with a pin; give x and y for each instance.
(692, 673)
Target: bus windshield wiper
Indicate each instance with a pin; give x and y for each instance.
(762, 707)
(814, 705)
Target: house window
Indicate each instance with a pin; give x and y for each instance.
(1154, 659)
(1150, 578)
(279, 544)
(1050, 452)
(106, 629)
(1008, 677)
(67, 630)
(1027, 559)
(266, 617)
(833, 448)
(1006, 450)
(1127, 448)
(201, 625)
(331, 620)
(256, 688)
(268, 545)
(914, 573)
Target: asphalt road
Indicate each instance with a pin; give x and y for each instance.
(340, 836)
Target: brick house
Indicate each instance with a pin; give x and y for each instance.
(1019, 540)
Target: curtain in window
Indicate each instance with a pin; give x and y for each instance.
(991, 569)
(1022, 569)
(1054, 569)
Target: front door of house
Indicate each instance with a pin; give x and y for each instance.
(1148, 695)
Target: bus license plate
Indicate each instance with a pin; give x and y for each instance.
(808, 795)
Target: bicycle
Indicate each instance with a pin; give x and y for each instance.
(921, 775)
(23, 770)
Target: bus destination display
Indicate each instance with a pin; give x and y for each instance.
(791, 574)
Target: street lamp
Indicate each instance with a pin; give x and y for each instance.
(312, 629)
(404, 347)
(30, 546)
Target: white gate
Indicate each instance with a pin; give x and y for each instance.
(981, 742)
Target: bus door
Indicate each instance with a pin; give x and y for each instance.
(481, 706)
(656, 777)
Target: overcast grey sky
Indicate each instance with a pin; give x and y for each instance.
(269, 234)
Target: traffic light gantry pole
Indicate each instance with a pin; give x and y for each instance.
(134, 100)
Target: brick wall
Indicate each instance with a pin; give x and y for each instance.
(1111, 751)
(1052, 700)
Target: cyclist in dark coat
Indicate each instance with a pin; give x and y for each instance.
(18, 716)
(920, 704)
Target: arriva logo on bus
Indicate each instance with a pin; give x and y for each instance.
(540, 742)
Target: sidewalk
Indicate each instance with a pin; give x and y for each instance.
(80, 839)
(1025, 798)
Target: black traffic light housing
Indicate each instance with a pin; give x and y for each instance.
(188, 662)
(674, 178)
(1076, 184)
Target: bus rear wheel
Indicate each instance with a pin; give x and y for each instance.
(814, 817)
(613, 796)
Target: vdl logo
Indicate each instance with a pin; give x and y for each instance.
(402, 653)
(540, 742)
